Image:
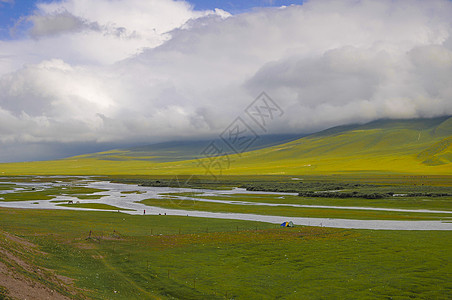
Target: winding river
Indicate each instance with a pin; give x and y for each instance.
(128, 202)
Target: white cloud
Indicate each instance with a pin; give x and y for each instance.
(97, 32)
(142, 71)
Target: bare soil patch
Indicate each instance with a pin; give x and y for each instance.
(21, 279)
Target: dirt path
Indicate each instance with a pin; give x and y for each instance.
(21, 279)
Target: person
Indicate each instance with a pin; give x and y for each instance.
(144, 211)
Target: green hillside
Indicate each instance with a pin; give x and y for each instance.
(407, 146)
(181, 150)
(416, 146)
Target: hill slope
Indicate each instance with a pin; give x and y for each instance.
(411, 146)
(180, 150)
(418, 146)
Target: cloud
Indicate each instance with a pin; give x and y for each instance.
(121, 72)
(98, 32)
(353, 84)
(59, 23)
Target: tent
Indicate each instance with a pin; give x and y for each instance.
(287, 224)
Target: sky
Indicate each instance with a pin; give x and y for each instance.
(78, 76)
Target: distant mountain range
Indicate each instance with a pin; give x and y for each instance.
(184, 150)
(413, 146)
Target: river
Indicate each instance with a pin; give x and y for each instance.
(114, 195)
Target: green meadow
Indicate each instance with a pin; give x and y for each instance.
(100, 206)
(50, 193)
(438, 203)
(289, 211)
(416, 147)
(118, 256)
(398, 164)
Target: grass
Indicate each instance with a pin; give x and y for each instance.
(101, 206)
(363, 183)
(374, 184)
(112, 255)
(138, 257)
(385, 147)
(4, 187)
(430, 203)
(4, 293)
(50, 193)
(292, 211)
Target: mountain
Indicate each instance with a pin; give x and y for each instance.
(399, 146)
(183, 150)
(414, 146)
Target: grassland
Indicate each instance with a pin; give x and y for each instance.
(421, 146)
(111, 255)
(429, 203)
(50, 193)
(420, 193)
(289, 211)
(100, 206)
(6, 186)
(365, 183)
(139, 257)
